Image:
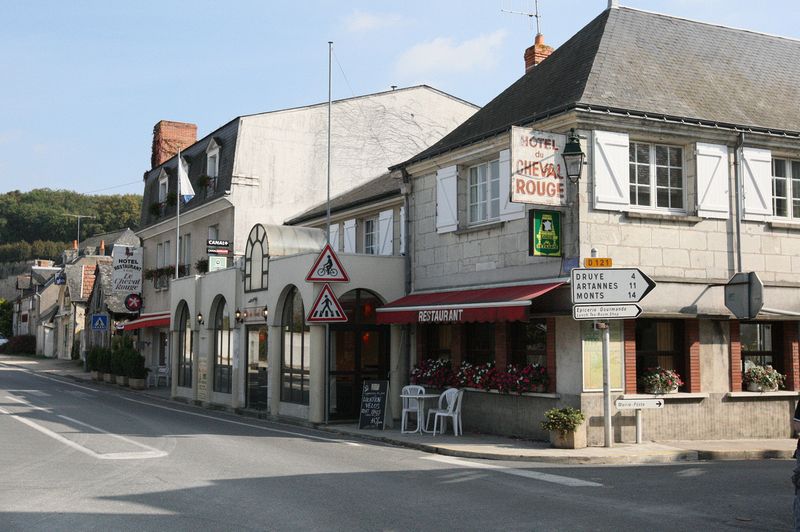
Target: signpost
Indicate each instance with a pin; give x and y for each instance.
(326, 308)
(99, 322)
(638, 405)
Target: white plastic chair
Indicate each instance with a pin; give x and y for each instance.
(411, 406)
(162, 373)
(449, 406)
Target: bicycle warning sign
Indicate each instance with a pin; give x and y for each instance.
(327, 268)
(326, 308)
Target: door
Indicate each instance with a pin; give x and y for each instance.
(257, 368)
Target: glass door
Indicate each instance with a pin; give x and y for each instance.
(257, 369)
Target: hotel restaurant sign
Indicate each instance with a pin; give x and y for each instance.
(537, 169)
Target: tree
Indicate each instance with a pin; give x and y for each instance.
(6, 311)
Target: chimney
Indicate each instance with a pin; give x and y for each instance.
(102, 247)
(75, 245)
(169, 137)
(537, 53)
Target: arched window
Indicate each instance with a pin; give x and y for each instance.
(295, 364)
(222, 348)
(184, 346)
(256, 260)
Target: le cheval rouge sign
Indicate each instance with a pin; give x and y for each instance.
(537, 170)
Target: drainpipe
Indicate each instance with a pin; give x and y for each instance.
(737, 163)
(406, 190)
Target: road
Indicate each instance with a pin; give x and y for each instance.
(91, 457)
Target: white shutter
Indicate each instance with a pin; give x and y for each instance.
(610, 163)
(757, 183)
(712, 181)
(446, 199)
(335, 237)
(349, 236)
(402, 230)
(386, 232)
(508, 210)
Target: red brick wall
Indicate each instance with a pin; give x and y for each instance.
(791, 355)
(169, 137)
(629, 338)
(735, 358)
(551, 354)
(692, 377)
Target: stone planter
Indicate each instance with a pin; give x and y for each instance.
(659, 391)
(122, 380)
(108, 377)
(756, 387)
(136, 384)
(569, 440)
(96, 375)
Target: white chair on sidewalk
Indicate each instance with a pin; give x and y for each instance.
(162, 373)
(449, 406)
(411, 406)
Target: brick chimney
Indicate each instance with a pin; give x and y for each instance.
(537, 53)
(169, 137)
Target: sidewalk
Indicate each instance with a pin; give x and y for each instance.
(499, 448)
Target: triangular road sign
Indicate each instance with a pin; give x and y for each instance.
(327, 268)
(326, 308)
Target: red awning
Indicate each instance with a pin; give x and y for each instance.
(508, 303)
(148, 320)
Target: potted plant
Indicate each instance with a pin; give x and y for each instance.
(155, 209)
(118, 367)
(203, 181)
(201, 265)
(762, 378)
(660, 380)
(93, 361)
(137, 371)
(566, 426)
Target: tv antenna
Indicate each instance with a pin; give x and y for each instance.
(79, 216)
(534, 15)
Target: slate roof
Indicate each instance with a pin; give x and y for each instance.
(124, 237)
(382, 187)
(80, 277)
(114, 301)
(642, 62)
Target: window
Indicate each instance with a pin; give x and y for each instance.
(786, 188)
(479, 343)
(483, 192)
(184, 347)
(371, 236)
(163, 259)
(295, 364)
(212, 166)
(660, 343)
(256, 260)
(222, 348)
(213, 232)
(656, 176)
(760, 345)
(163, 188)
(437, 341)
(186, 255)
(527, 342)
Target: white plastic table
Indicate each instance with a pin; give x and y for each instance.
(421, 397)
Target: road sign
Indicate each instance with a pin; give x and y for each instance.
(99, 322)
(609, 285)
(133, 302)
(327, 268)
(597, 262)
(326, 309)
(611, 311)
(744, 295)
(636, 404)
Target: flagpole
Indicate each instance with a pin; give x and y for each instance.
(327, 387)
(178, 220)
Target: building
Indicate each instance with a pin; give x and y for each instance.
(692, 142)
(256, 171)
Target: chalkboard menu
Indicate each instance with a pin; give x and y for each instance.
(373, 405)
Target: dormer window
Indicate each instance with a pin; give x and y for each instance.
(212, 166)
(163, 186)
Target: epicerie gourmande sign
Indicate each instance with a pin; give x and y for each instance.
(126, 273)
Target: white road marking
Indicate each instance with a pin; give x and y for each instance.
(150, 452)
(60, 381)
(544, 477)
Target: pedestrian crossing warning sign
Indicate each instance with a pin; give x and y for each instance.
(326, 309)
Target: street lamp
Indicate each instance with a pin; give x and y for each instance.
(200, 318)
(265, 312)
(573, 156)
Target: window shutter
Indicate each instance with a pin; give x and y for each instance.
(757, 183)
(610, 163)
(508, 210)
(446, 199)
(712, 181)
(386, 232)
(349, 236)
(402, 230)
(335, 237)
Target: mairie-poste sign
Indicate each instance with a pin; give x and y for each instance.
(537, 169)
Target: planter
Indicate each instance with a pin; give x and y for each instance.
(122, 380)
(136, 384)
(97, 376)
(756, 387)
(540, 388)
(108, 377)
(659, 391)
(569, 440)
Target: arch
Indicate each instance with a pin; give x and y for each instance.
(185, 344)
(295, 349)
(223, 361)
(360, 304)
(256, 259)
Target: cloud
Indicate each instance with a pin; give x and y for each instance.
(359, 21)
(443, 56)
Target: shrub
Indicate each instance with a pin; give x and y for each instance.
(93, 356)
(563, 420)
(136, 367)
(659, 380)
(765, 376)
(21, 345)
(104, 361)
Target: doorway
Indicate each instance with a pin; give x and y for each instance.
(257, 367)
(359, 352)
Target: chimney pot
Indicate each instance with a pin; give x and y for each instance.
(102, 247)
(75, 245)
(537, 53)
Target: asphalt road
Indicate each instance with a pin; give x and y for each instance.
(90, 457)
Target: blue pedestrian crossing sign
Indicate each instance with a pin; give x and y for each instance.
(99, 322)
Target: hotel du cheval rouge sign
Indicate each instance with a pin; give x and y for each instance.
(537, 169)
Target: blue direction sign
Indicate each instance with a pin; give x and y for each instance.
(99, 322)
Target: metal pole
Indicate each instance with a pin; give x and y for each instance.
(738, 153)
(178, 220)
(609, 442)
(326, 372)
(638, 425)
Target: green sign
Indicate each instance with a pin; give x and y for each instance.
(545, 233)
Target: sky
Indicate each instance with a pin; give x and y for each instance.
(82, 83)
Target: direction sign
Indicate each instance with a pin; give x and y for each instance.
(609, 285)
(636, 404)
(326, 309)
(327, 268)
(611, 311)
(99, 322)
